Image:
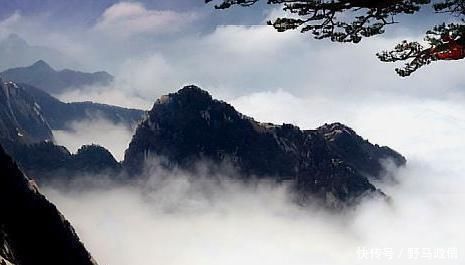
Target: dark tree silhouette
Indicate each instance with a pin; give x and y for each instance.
(444, 42)
(352, 20)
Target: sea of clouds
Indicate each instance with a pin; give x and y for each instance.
(180, 218)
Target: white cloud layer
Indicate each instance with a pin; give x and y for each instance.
(176, 220)
(112, 95)
(114, 137)
(8, 23)
(126, 19)
(238, 60)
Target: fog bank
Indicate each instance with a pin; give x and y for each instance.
(113, 136)
(173, 219)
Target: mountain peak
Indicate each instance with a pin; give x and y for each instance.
(189, 98)
(191, 89)
(14, 40)
(41, 64)
(336, 129)
(13, 36)
(193, 92)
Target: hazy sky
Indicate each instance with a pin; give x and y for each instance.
(87, 12)
(154, 47)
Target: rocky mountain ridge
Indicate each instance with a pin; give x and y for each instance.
(46, 162)
(369, 159)
(60, 114)
(189, 127)
(26, 133)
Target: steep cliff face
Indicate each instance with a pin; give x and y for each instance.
(190, 126)
(6, 256)
(59, 114)
(21, 118)
(32, 230)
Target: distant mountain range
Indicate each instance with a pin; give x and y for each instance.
(17, 52)
(43, 76)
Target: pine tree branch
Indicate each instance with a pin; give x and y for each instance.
(337, 20)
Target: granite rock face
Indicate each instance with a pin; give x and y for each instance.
(189, 127)
(21, 118)
(32, 230)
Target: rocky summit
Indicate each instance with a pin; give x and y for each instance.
(189, 127)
